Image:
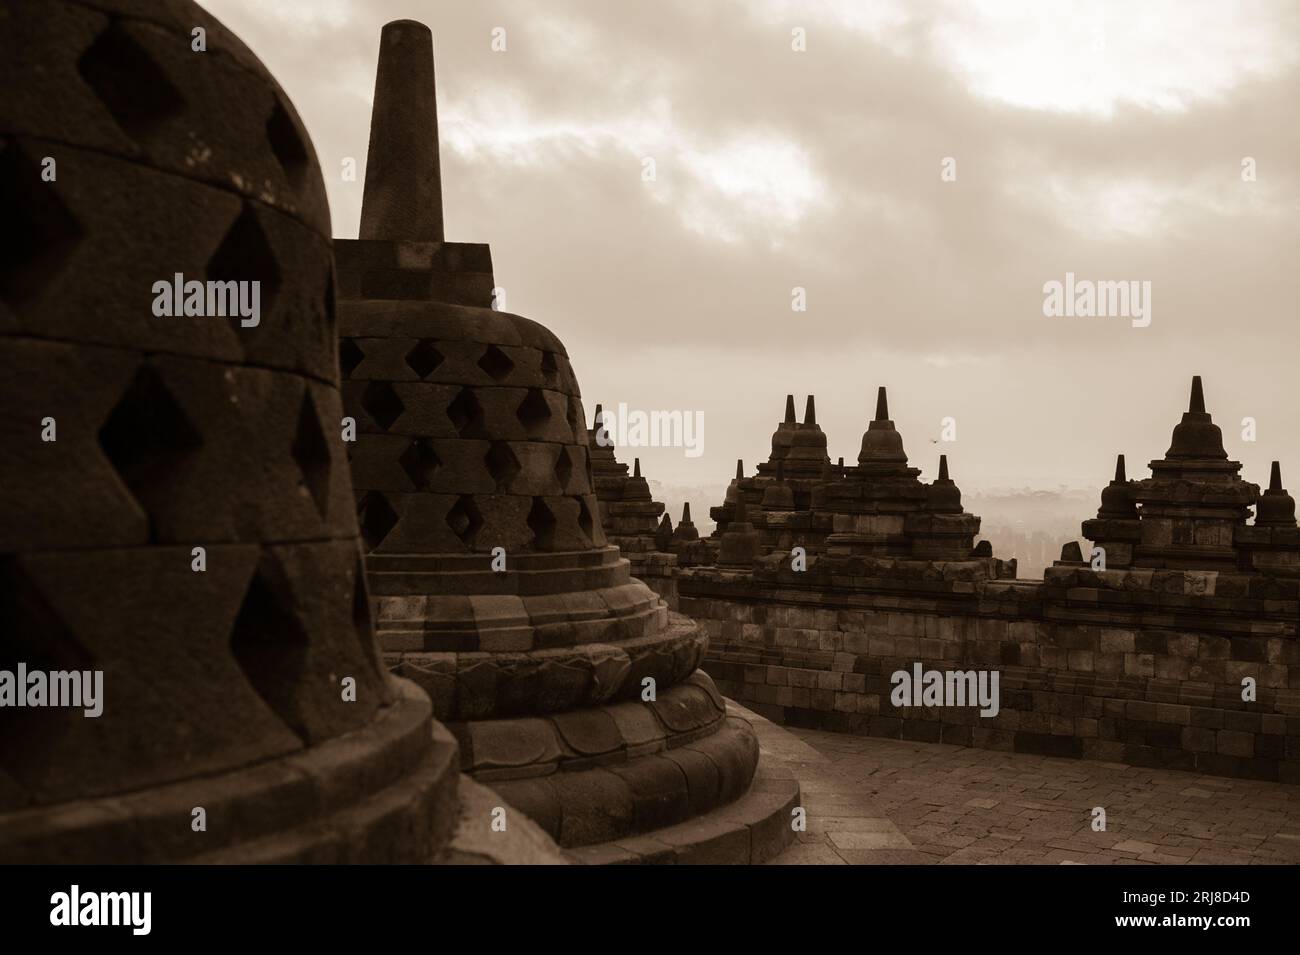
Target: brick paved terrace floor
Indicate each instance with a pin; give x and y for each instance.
(873, 800)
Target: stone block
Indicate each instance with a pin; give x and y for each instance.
(1234, 743)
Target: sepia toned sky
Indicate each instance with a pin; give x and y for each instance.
(1103, 139)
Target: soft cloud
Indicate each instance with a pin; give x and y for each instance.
(1100, 138)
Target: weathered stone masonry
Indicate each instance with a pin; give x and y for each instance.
(1142, 663)
(1136, 667)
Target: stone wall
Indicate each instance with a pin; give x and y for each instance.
(1142, 667)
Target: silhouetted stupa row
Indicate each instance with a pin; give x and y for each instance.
(1172, 642)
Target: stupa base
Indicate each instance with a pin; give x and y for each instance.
(384, 793)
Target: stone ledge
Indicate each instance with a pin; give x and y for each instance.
(386, 792)
(750, 831)
(478, 686)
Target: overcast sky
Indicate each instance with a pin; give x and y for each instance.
(1103, 139)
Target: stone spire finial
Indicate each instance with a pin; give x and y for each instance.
(1275, 507)
(810, 412)
(882, 445)
(1116, 498)
(403, 190)
(1196, 435)
(740, 469)
(778, 496)
(600, 412)
(664, 533)
(636, 467)
(943, 495)
(789, 409)
(685, 531)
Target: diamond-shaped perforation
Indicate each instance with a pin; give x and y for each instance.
(287, 146)
(376, 518)
(424, 359)
(563, 469)
(501, 464)
(132, 87)
(466, 415)
(311, 451)
(270, 645)
(350, 357)
(421, 463)
(496, 363)
(38, 232)
(382, 403)
(533, 411)
(550, 368)
(147, 437)
(585, 520)
(541, 520)
(33, 633)
(465, 520)
(574, 416)
(245, 255)
(31, 630)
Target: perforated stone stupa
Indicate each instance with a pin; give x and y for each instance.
(223, 684)
(573, 690)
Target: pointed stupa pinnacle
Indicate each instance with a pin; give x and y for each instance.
(600, 413)
(789, 409)
(740, 469)
(686, 513)
(1117, 497)
(1196, 435)
(1275, 507)
(810, 412)
(943, 496)
(882, 445)
(636, 467)
(402, 199)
